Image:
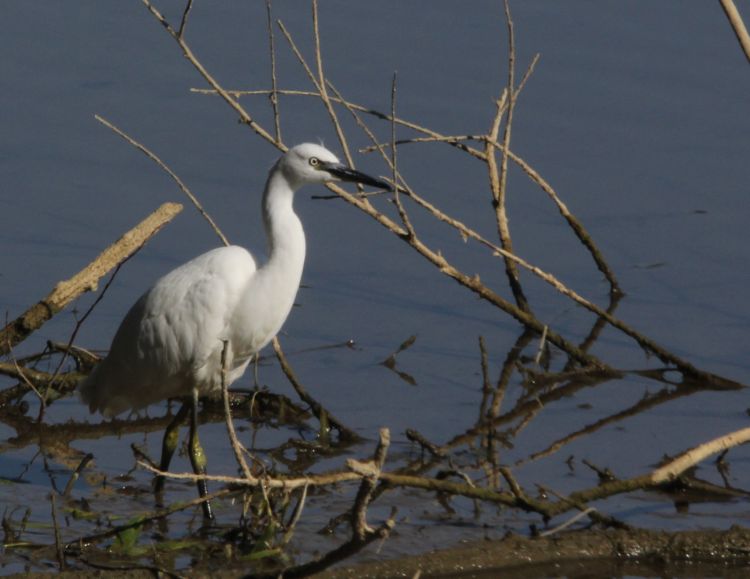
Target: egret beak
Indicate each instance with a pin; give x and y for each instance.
(345, 173)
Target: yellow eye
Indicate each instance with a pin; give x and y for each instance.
(314, 162)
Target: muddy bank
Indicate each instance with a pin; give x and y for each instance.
(572, 554)
(590, 553)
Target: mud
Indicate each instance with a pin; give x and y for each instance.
(578, 554)
(637, 553)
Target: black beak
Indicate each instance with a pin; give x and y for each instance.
(352, 175)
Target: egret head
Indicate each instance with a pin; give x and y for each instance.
(311, 163)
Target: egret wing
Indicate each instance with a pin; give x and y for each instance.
(171, 339)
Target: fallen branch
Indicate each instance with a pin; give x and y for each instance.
(693, 456)
(86, 279)
(737, 25)
(370, 475)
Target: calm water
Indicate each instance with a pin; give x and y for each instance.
(636, 114)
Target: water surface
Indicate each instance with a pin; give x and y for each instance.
(636, 114)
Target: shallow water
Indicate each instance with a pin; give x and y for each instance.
(636, 114)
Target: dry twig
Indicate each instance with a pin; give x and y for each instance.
(236, 445)
(317, 409)
(143, 149)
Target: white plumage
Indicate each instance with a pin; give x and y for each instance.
(170, 342)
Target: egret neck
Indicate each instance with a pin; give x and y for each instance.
(270, 295)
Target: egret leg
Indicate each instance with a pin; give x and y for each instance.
(255, 371)
(169, 445)
(197, 456)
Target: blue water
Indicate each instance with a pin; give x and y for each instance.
(636, 114)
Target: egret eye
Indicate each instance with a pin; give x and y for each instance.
(314, 162)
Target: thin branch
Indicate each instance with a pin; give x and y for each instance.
(575, 224)
(21, 373)
(358, 470)
(345, 551)
(295, 517)
(58, 541)
(317, 409)
(79, 323)
(274, 94)
(436, 258)
(188, 53)
(236, 446)
(499, 179)
(183, 22)
(320, 84)
(568, 523)
(168, 171)
(645, 342)
(318, 80)
(359, 108)
(360, 528)
(396, 195)
(735, 19)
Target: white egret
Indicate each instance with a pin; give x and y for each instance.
(170, 342)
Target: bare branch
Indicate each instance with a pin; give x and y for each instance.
(735, 19)
(188, 53)
(168, 171)
(183, 22)
(274, 94)
(86, 279)
(236, 446)
(693, 456)
(396, 195)
(317, 409)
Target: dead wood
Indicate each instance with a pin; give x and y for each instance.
(735, 19)
(87, 279)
